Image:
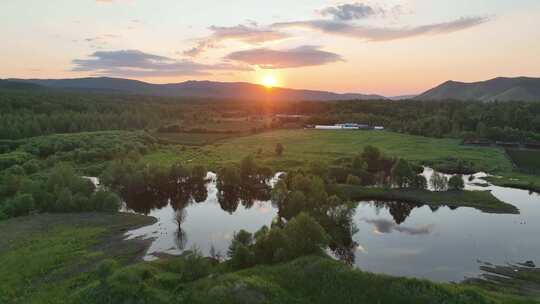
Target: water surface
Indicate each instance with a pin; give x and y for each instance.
(413, 240)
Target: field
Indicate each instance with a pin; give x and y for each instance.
(192, 139)
(305, 146)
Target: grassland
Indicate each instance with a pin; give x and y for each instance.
(192, 139)
(481, 200)
(54, 258)
(44, 257)
(322, 280)
(305, 146)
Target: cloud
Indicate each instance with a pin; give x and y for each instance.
(279, 59)
(101, 40)
(250, 34)
(388, 226)
(351, 11)
(370, 33)
(135, 63)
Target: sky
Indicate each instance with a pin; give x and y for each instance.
(388, 47)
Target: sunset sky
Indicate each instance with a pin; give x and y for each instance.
(392, 47)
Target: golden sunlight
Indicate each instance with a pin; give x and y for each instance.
(269, 81)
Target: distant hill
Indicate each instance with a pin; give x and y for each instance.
(501, 89)
(200, 89)
(6, 84)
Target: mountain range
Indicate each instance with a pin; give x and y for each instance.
(197, 89)
(497, 89)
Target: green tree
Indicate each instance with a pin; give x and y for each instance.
(438, 181)
(402, 174)
(279, 192)
(419, 182)
(456, 182)
(279, 149)
(371, 156)
(240, 238)
(305, 236)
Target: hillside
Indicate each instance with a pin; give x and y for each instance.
(497, 89)
(200, 89)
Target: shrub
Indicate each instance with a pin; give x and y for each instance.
(241, 238)
(19, 205)
(132, 284)
(105, 201)
(106, 268)
(353, 180)
(191, 266)
(271, 246)
(305, 236)
(32, 166)
(242, 257)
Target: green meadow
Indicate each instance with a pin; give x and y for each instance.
(303, 146)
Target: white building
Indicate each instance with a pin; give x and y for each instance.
(323, 127)
(344, 126)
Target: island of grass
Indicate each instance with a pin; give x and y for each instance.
(481, 200)
(81, 258)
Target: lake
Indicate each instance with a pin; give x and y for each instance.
(442, 244)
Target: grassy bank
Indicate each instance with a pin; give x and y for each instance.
(482, 200)
(322, 280)
(44, 257)
(305, 280)
(516, 180)
(511, 279)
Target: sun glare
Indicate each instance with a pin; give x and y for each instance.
(269, 81)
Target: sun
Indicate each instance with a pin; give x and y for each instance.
(269, 81)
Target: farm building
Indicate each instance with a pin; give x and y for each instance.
(344, 126)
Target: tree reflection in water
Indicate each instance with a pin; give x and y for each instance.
(399, 211)
(180, 235)
(145, 190)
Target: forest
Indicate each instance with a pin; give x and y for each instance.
(28, 113)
